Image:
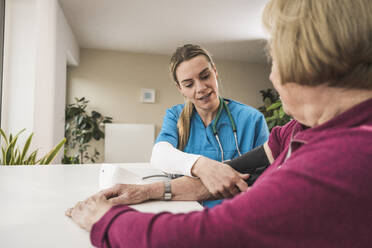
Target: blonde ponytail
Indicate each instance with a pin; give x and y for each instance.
(183, 125)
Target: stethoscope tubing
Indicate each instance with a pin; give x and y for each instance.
(233, 126)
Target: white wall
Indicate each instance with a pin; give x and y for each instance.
(38, 44)
(19, 65)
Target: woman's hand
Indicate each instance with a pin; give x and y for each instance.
(220, 179)
(126, 194)
(88, 212)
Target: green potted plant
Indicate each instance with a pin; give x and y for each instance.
(273, 109)
(12, 154)
(80, 128)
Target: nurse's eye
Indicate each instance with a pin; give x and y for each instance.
(188, 85)
(205, 76)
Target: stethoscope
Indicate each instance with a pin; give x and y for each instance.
(214, 129)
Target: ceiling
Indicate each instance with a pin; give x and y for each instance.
(228, 29)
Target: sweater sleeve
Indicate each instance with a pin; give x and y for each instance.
(306, 203)
(98, 234)
(280, 137)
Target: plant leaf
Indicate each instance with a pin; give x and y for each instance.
(49, 158)
(12, 162)
(33, 159)
(4, 136)
(3, 153)
(28, 160)
(16, 137)
(17, 156)
(276, 114)
(27, 145)
(269, 119)
(97, 134)
(80, 119)
(271, 124)
(8, 153)
(9, 157)
(274, 106)
(96, 115)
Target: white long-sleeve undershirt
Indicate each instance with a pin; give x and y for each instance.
(169, 159)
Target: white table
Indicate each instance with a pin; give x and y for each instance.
(34, 199)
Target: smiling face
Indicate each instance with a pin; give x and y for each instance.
(197, 79)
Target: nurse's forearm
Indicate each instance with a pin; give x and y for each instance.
(183, 189)
(169, 159)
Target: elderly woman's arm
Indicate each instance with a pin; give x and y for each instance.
(186, 188)
(183, 189)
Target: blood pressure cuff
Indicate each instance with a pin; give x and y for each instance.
(253, 162)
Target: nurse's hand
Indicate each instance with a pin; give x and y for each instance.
(220, 179)
(88, 212)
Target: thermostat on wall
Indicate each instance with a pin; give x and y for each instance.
(148, 95)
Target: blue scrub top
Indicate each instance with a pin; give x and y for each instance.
(251, 128)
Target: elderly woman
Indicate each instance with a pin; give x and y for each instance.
(317, 190)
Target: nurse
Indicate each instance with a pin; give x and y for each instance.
(207, 128)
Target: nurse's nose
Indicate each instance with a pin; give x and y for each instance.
(200, 86)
